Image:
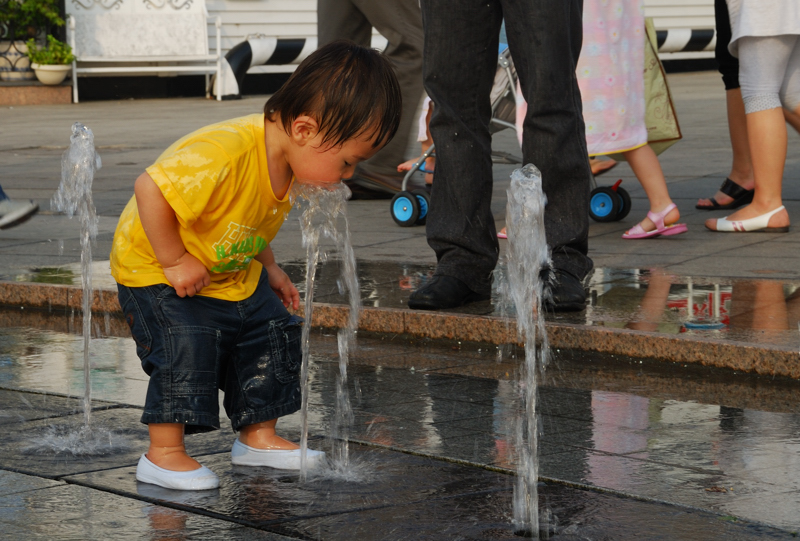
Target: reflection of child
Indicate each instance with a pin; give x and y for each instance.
(198, 282)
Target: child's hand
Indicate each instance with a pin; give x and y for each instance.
(187, 275)
(283, 287)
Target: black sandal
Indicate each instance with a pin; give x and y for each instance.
(731, 189)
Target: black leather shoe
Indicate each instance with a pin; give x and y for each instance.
(566, 293)
(444, 292)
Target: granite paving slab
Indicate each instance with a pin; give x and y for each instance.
(68, 512)
(18, 406)
(48, 447)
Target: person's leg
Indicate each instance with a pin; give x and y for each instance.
(793, 119)
(341, 19)
(742, 166)
(261, 379)
(763, 64)
(545, 41)
(647, 169)
(461, 48)
(790, 89)
(741, 172)
(167, 449)
(400, 22)
(178, 343)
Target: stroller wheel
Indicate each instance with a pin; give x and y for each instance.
(625, 208)
(604, 205)
(424, 200)
(405, 209)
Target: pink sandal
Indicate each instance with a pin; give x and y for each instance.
(638, 232)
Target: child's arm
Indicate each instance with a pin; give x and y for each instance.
(183, 271)
(278, 280)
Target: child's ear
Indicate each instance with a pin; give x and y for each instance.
(304, 129)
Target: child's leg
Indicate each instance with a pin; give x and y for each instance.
(183, 388)
(257, 393)
(425, 144)
(647, 169)
(263, 436)
(167, 449)
(430, 163)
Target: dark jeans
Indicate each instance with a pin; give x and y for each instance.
(193, 346)
(727, 63)
(400, 22)
(461, 49)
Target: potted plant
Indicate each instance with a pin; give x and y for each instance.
(52, 63)
(20, 20)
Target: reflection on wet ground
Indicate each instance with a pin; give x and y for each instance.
(755, 311)
(432, 434)
(765, 312)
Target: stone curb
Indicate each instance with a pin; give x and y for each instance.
(739, 356)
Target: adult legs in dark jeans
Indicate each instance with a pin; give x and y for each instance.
(400, 22)
(461, 39)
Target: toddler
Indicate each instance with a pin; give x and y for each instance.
(198, 282)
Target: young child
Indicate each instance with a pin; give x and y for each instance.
(197, 280)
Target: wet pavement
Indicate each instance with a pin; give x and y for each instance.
(630, 447)
(627, 449)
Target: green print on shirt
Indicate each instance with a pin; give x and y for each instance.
(249, 247)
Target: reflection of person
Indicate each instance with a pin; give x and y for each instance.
(762, 305)
(651, 309)
(764, 36)
(400, 22)
(14, 212)
(461, 44)
(198, 282)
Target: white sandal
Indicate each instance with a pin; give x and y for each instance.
(759, 223)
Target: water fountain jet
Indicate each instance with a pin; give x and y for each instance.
(322, 208)
(526, 258)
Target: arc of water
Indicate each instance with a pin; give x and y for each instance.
(74, 197)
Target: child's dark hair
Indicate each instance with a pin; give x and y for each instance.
(349, 90)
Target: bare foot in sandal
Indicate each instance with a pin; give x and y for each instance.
(731, 195)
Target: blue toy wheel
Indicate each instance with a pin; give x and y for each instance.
(405, 209)
(424, 200)
(625, 207)
(604, 205)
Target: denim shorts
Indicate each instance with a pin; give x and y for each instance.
(193, 346)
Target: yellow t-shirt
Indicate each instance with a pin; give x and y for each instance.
(216, 180)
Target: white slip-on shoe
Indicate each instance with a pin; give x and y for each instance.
(200, 479)
(244, 455)
(759, 223)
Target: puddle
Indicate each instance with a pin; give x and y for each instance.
(751, 311)
(695, 437)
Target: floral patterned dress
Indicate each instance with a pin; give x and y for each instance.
(611, 75)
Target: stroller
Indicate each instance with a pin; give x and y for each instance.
(606, 204)
(411, 208)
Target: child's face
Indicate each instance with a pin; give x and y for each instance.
(325, 164)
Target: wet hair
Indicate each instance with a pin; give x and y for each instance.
(349, 90)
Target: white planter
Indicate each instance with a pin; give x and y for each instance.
(14, 62)
(51, 74)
